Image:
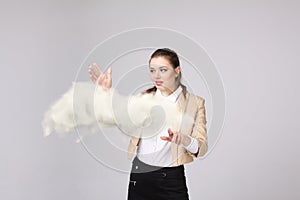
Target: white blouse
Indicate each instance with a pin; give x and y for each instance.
(154, 150)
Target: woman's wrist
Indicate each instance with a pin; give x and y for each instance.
(186, 140)
(192, 146)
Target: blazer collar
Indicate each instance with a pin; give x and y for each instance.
(182, 101)
(172, 97)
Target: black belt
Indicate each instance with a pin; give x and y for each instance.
(140, 167)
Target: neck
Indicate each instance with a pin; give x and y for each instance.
(167, 92)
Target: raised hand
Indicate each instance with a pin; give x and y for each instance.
(177, 138)
(99, 77)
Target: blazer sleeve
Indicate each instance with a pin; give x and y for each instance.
(199, 131)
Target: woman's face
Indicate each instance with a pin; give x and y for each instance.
(163, 75)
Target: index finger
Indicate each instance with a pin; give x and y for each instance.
(170, 132)
(97, 68)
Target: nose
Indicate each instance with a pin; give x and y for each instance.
(157, 74)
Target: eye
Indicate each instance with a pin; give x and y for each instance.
(163, 70)
(152, 70)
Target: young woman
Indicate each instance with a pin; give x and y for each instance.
(158, 168)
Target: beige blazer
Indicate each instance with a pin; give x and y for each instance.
(194, 106)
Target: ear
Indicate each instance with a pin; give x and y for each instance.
(177, 70)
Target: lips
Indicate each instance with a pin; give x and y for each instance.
(158, 83)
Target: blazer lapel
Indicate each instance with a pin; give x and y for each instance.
(182, 102)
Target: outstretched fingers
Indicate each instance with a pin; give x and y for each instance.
(109, 73)
(96, 73)
(170, 137)
(174, 136)
(97, 68)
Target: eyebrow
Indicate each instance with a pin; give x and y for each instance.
(159, 67)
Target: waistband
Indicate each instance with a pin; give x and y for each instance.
(139, 166)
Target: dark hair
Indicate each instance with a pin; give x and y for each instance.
(174, 61)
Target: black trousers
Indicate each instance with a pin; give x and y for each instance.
(155, 183)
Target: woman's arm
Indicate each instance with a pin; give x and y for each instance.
(75, 108)
(89, 106)
(199, 130)
(198, 135)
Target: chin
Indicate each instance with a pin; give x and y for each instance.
(160, 87)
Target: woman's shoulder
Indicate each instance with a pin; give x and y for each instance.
(198, 97)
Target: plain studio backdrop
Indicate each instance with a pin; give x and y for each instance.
(254, 44)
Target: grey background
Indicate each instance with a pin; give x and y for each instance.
(253, 43)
